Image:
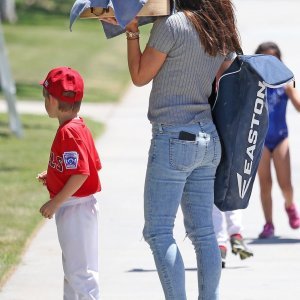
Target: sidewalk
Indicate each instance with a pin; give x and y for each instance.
(127, 270)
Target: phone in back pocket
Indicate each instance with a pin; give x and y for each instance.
(186, 136)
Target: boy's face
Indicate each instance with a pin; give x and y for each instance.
(51, 104)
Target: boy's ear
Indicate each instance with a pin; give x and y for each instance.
(52, 100)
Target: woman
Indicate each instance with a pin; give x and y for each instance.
(185, 52)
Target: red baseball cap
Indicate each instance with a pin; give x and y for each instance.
(64, 79)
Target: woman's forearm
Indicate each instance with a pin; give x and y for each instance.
(134, 55)
(143, 67)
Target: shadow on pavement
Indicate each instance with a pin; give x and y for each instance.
(274, 240)
(235, 267)
(140, 270)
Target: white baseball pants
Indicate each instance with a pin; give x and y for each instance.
(77, 229)
(226, 224)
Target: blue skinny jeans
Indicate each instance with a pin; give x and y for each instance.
(182, 172)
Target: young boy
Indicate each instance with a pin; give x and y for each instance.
(72, 179)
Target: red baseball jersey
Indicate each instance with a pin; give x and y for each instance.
(73, 152)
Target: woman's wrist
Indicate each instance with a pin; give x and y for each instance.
(132, 35)
(132, 28)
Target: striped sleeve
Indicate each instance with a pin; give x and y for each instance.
(161, 37)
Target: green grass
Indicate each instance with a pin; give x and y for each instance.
(41, 40)
(35, 49)
(21, 195)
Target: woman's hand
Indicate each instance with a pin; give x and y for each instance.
(110, 20)
(133, 26)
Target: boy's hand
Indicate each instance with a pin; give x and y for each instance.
(49, 209)
(42, 177)
(71, 186)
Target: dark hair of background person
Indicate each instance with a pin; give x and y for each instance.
(262, 48)
(215, 23)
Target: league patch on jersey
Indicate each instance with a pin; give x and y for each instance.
(70, 159)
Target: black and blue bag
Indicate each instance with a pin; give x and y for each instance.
(241, 116)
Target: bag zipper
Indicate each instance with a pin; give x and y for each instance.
(220, 80)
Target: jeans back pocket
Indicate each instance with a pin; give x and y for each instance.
(183, 154)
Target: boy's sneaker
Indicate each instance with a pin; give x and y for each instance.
(238, 246)
(293, 215)
(268, 231)
(223, 252)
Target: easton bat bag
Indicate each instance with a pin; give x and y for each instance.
(241, 116)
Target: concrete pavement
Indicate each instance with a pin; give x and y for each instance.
(100, 112)
(127, 270)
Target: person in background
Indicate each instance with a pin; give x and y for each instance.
(276, 150)
(228, 225)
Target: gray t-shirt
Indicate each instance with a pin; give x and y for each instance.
(182, 86)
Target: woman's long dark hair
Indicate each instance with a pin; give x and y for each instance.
(215, 23)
